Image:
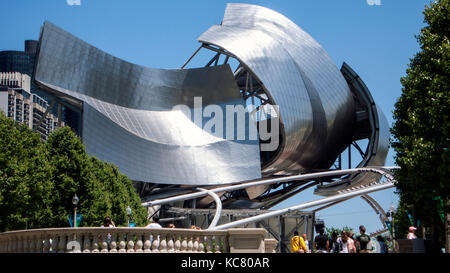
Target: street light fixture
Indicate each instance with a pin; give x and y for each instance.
(129, 214)
(75, 201)
(391, 213)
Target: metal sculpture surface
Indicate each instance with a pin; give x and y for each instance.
(129, 117)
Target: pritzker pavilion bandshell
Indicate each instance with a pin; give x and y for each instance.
(128, 115)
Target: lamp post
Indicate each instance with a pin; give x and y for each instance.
(129, 214)
(391, 213)
(75, 201)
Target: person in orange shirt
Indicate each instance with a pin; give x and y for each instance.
(297, 244)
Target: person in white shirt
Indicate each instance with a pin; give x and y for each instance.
(411, 234)
(108, 222)
(343, 241)
(155, 223)
(308, 249)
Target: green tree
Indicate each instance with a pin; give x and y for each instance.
(330, 230)
(71, 174)
(102, 189)
(119, 193)
(421, 127)
(38, 181)
(401, 218)
(25, 178)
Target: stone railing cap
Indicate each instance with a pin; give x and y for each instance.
(247, 231)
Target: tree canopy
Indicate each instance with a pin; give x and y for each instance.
(421, 128)
(38, 181)
(25, 178)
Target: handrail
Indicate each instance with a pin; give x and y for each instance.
(128, 240)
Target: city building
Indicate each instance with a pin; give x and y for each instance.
(19, 104)
(20, 61)
(23, 62)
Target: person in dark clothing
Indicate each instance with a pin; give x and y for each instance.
(383, 246)
(362, 241)
(321, 244)
(333, 243)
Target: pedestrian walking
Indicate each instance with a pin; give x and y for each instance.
(333, 244)
(382, 243)
(411, 234)
(321, 244)
(155, 223)
(351, 242)
(343, 242)
(307, 243)
(297, 244)
(362, 241)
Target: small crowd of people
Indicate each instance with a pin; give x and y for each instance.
(345, 243)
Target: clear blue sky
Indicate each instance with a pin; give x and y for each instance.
(377, 41)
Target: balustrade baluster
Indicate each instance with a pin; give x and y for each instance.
(147, 243)
(4, 244)
(24, 247)
(95, 243)
(18, 248)
(47, 243)
(87, 243)
(219, 244)
(155, 243)
(177, 244)
(122, 243)
(113, 243)
(195, 247)
(139, 243)
(170, 244)
(32, 244)
(54, 247)
(12, 243)
(190, 244)
(62, 243)
(209, 244)
(40, 243)
(201, 244)
(130, 244)
(104, 244)
(214, 244)
(184, 244)
(163, 243)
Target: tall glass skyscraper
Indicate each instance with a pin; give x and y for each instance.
(19, 61)
(23, 62)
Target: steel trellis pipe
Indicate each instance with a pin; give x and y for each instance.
(267, 181)
(323, 201)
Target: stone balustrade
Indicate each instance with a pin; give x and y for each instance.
(132, 240)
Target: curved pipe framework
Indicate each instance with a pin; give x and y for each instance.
(335, 198)
(301, 177)
(218, 208)
(377, 208)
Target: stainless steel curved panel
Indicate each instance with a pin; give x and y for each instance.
(377, 158)
(315, 103)
(376, 130)
(128, 118)
(143, 160)
(75, 65)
